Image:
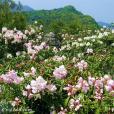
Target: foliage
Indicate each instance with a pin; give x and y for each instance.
(59, 20)
(11, 19)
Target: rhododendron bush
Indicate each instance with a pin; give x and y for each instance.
(77, 78)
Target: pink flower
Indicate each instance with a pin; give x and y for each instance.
(110, 83)
(85, 86)
(33, 70)
(11, 77)
(32, 50)
(51, 88)
(82, 65)
(71, 90)
(60, 73)
(99, 93)
(38, 48)
(82, 84)
(28, 92)
(38, 85)
(91, 80)
(110, 86)
(63, 111)
(99, 83)
(99, 89)
(75, 104)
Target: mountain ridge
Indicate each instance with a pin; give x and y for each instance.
(66, 16)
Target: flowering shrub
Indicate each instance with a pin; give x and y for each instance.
(75, 79)
(11, 77)
(60, 72)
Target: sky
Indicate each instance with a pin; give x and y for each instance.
(101, 10)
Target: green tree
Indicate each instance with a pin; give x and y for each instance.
(9, 18)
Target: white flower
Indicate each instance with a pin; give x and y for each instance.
(59, 58)
(74, 59)
(80, 55)
(81, 44)
(26, 74)
(18, 53)
(100, 35)
(89, 51)
(100, 42)
(79, 39)
(88, 44)
(24, 93)
(39, 37)
(4, 29)
(9, 55)
(28, 87)
(112, 44)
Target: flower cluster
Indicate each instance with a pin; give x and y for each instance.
(110, 86)
(60, 73)
(32, 50)
(16, 102)
(98, 85)
(82, 65)
(89, 51)
(83, 85)
(11, 77)
(98, 89)
(37, 86)
(59, 58)
(32, 72)
(71, 90)
(63, 111)
(75, 104)
(15, 36)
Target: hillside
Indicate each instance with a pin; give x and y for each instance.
(64, 18)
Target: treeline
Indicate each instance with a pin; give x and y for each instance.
(10, 18)
(63, 20)
(66, 19)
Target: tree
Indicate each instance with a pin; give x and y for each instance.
(9, 18)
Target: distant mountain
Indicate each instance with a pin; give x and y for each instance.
(104, 24)
(67, 16)
(27, 8)
(107, 25)
(17, 6)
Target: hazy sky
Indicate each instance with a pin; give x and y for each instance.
(101, 10)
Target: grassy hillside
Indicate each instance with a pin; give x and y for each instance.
(65, 19)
